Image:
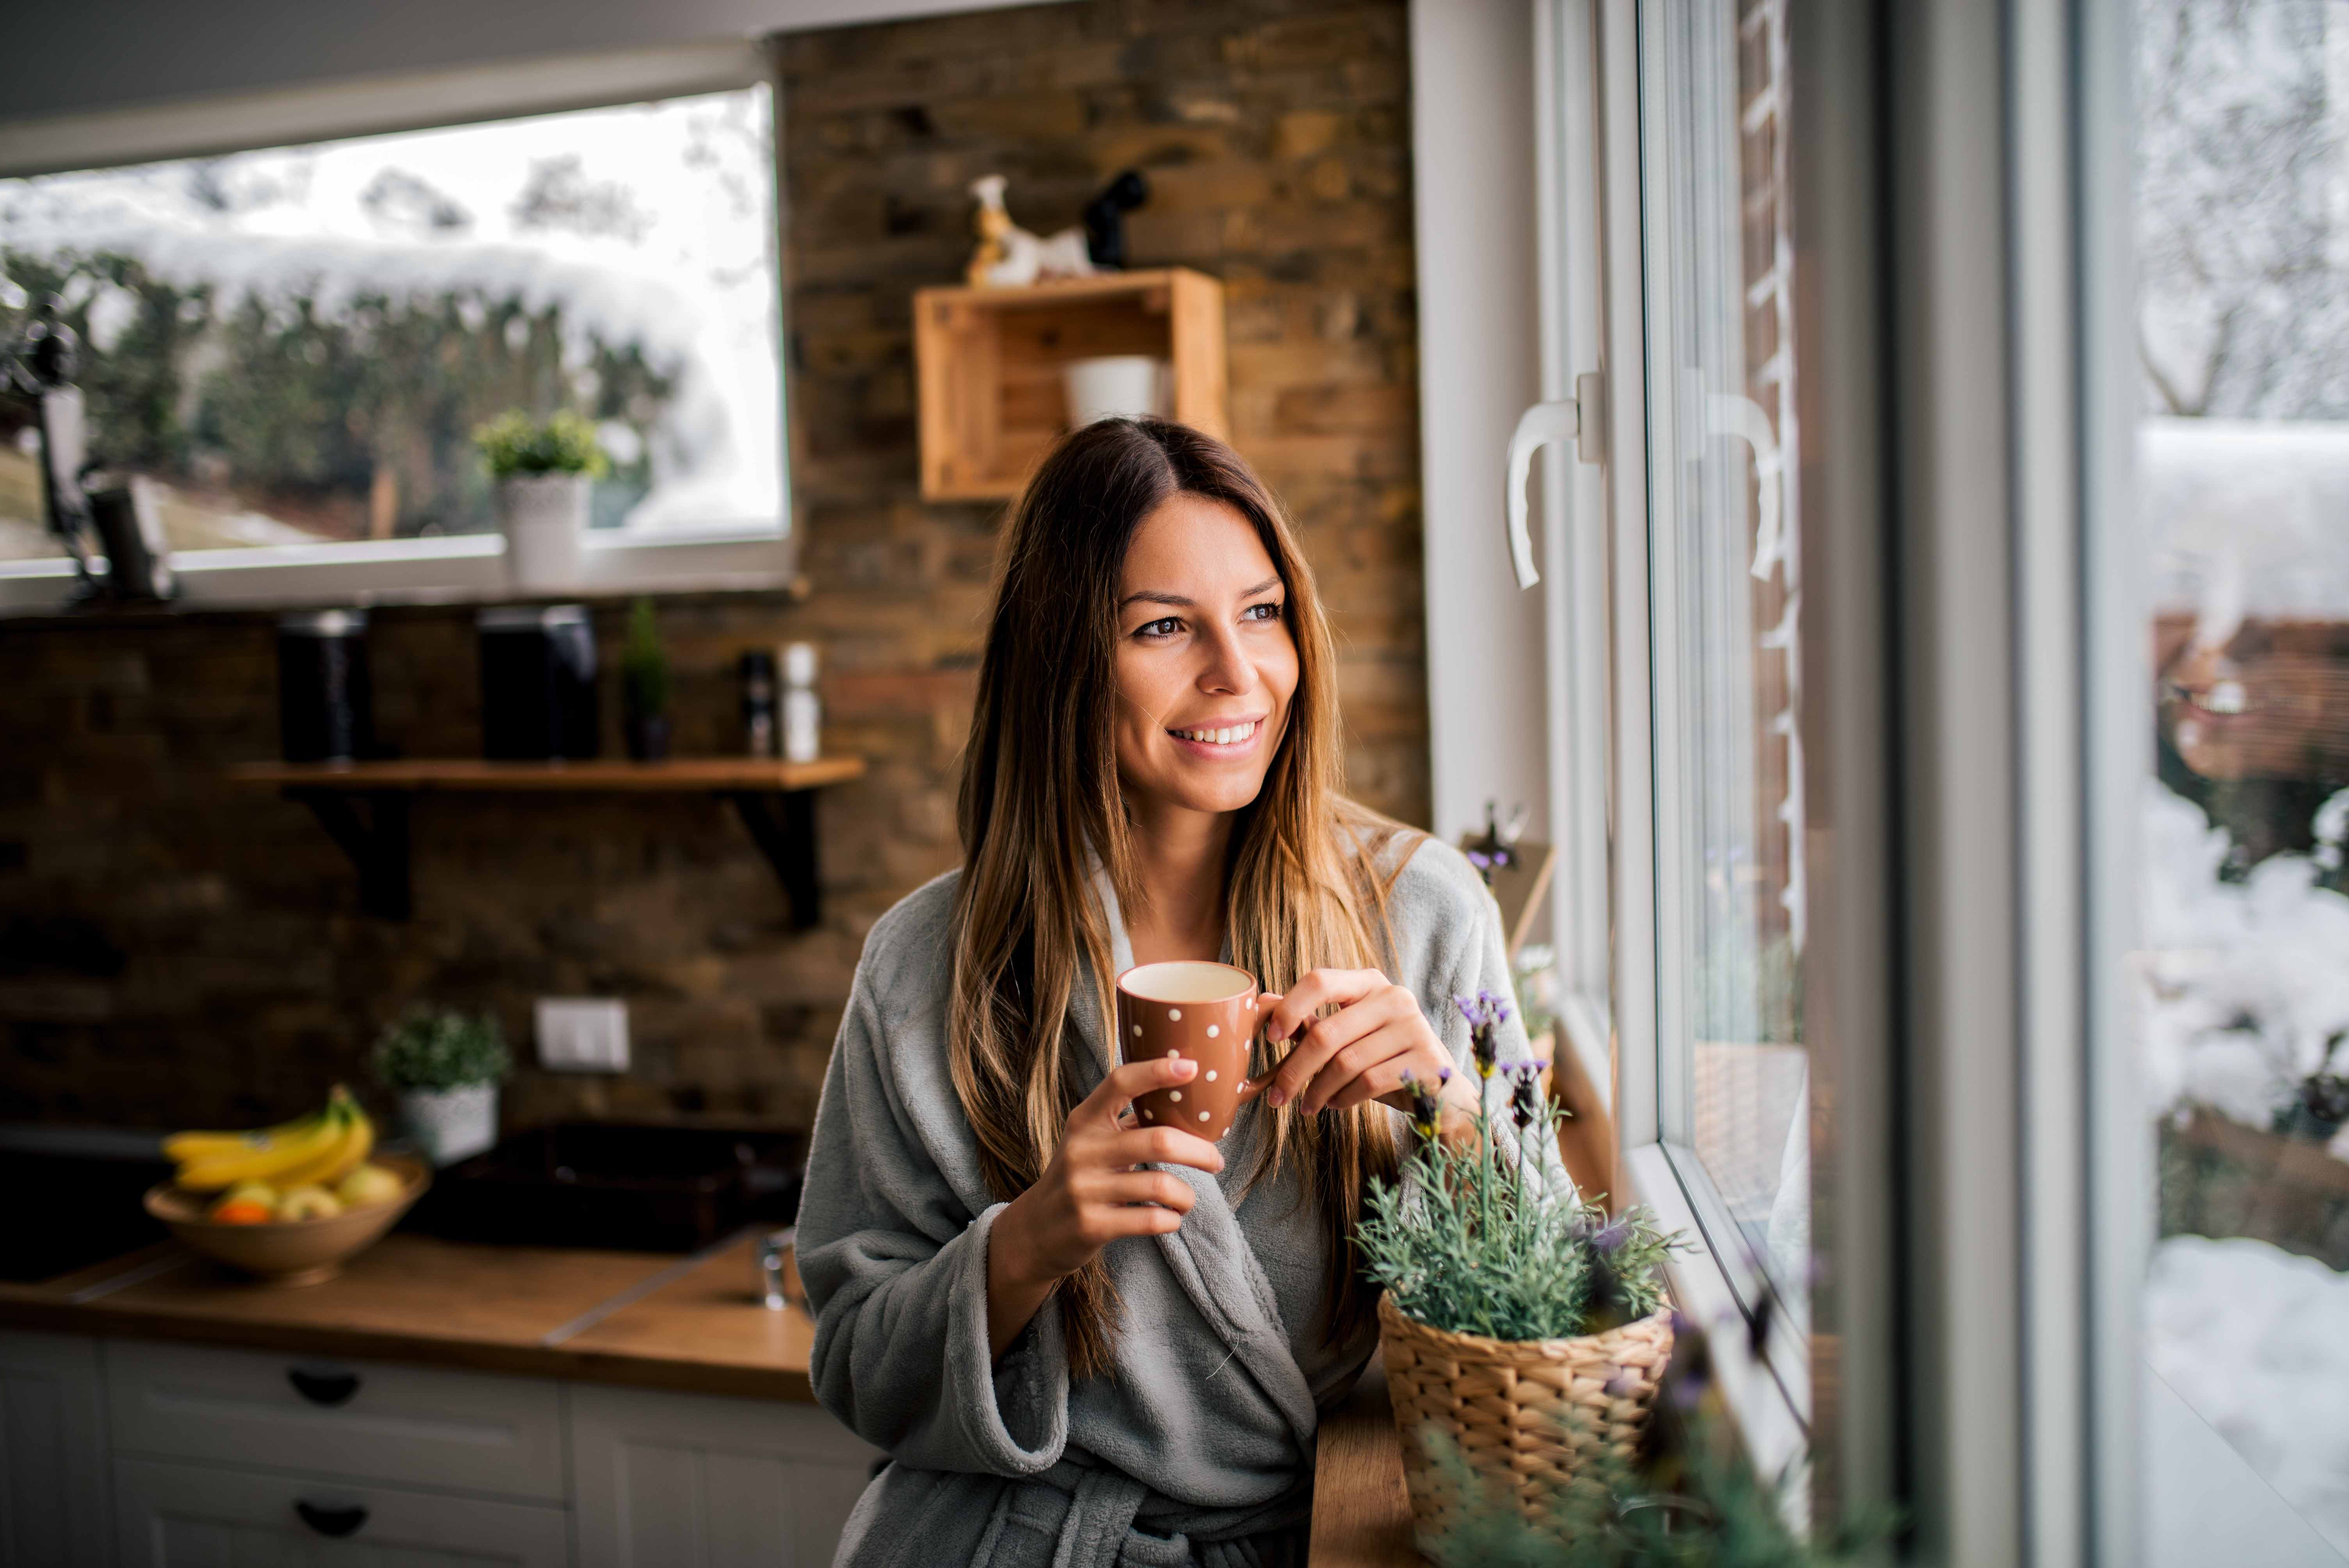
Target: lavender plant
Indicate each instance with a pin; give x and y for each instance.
(1477, 1241)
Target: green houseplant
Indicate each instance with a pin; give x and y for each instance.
(541, 472)
(445, 1067)
(644, 686)
(1524, 1330)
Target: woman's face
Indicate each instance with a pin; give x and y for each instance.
(1206, 666)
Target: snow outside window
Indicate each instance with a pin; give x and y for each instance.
(2240, 980)
(293, 346)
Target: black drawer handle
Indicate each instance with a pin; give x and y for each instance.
(324, 1387)
(335, 1521)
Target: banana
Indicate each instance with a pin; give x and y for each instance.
(314, 1140)
(342, 1157)
(182, 1148)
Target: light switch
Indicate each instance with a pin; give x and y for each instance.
(583, 1035)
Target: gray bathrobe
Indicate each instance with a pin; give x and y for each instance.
(1199, 1447)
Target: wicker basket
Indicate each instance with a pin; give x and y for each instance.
(1527, 1416)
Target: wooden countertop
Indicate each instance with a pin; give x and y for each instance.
(1361, 1512)
(639, 1319)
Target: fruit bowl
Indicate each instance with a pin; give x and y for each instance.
(288, 1251)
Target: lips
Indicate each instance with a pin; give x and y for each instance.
(1238, 734)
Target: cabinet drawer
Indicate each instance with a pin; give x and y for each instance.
(674, 1479)
(465, 1431)
(169, 1515)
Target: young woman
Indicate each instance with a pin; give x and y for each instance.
(1082, 1341)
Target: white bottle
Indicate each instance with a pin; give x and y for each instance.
(803, 717)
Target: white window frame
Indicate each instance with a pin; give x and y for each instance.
(458, 568)
(1602, 648)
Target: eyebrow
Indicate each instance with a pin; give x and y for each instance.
(1148, 597)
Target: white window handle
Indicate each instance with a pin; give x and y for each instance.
(1575, 418)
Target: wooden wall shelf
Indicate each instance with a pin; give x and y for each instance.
(989, 363)
(378, 843)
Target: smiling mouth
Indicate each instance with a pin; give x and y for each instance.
(1227, 735)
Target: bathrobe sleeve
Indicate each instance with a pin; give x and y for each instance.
(893, 1235)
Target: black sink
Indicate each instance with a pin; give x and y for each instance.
(78, 1197)
(602, 1184)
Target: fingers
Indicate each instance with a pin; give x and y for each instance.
(1323, 1043)
(1320, 988)
(1118, 1189)
(1120, 1086)
(1165, 1146)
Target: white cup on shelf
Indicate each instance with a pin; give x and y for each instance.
(1113, 386)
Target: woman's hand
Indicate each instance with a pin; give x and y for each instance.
(1091, 1195)
(1361, 1052)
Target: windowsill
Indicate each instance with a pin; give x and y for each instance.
(454, 570)
(1776, 1437)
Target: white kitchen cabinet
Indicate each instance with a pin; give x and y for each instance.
(688, 1480)
(173, 1515)
(369, 1421)
(53, 1508)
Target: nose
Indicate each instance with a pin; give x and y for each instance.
(1225, 669)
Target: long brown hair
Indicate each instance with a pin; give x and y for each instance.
(1309, 871)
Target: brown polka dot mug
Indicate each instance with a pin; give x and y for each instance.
(1207, 1012)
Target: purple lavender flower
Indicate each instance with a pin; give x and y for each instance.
(1486, 1011)
(1525, 1097)
(1424, 1104)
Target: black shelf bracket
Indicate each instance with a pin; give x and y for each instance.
(786, 836)
(782, 823)
(377, 844)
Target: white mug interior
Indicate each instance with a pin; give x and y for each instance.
(1186, 980)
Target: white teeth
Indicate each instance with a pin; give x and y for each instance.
(1225, 737)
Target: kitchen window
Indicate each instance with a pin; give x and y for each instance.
(291, 345)
(1688, 554)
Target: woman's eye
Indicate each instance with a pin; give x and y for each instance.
(1166, 628)
(1261, 612)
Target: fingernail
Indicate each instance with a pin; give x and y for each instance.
(1277, 1097)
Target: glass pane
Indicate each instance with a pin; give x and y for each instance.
(2242, 978)
(1727, 587)
(296, 344)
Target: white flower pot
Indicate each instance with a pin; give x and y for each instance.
(1111, 387)
(542, 516)
(451, 1124)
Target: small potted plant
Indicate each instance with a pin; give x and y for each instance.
(644, 686)
(445, 1066)
(541, 473)
(1524, 1330)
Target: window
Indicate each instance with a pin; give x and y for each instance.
(291, 346)
(1688, 554)
(1724, 629)
(2240, 1012)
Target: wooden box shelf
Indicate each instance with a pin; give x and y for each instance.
(990, 363)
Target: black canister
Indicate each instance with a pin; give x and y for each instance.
(325, 708)
(759, 702)
(538, 684)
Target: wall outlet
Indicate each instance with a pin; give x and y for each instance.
(583, 1035)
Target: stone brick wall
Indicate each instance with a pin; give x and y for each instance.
(176, 950)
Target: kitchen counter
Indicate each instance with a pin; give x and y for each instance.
(637, 1319)
(644, 1320)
